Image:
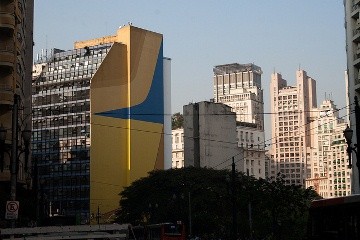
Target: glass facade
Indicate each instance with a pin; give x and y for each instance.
(61, 129)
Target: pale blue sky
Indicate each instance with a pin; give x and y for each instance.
(273, 34)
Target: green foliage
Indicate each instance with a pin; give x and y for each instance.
(277, 211)
(177, 121)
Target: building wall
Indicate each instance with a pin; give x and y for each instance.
(291, 126)
(208, 143)
(352, 33)
(16, 50)
(114, 99)
(132, 73)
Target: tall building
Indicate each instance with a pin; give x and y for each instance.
(208, 143)
(291, 126)
(16, 51)
(94, 107)
(239, 86)
(330, 175)
(352, 33)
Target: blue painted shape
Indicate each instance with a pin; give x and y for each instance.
(152, 109)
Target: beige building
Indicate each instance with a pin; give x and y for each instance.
(177, 148)
(291, 126)
(329, 175)
(352, 30)
(16, 52)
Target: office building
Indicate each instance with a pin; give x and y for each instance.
(290, 135)
(16, 51)
(94, 107)
(352, 33)
(239, 86)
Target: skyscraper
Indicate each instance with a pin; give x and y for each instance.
(239, 86)
(94, 107)
(291, 126)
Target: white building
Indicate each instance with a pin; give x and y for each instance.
(178, 148)
(251, 140)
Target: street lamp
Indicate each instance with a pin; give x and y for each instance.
(348, 133)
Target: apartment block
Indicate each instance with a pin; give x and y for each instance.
(291, 136)
(329, 175)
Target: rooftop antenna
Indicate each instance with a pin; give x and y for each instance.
(299, 66)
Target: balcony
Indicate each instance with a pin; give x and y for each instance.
(7, 20)
(356, 35)
(355, 11)
(6, 94)
(7, 56)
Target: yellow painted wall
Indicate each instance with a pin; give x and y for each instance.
(123, 150)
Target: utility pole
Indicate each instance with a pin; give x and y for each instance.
(14, 153)
(190, 223)
(233, 198)
(357, 118)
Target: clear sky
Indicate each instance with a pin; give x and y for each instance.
(278, 35)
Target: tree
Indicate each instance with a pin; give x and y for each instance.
(177, 121)
(276, 210)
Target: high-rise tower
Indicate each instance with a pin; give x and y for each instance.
(291, 125)
(239, 86)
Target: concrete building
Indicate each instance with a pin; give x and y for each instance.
(239, 86)
(94, 107)
(329, 174)
(291, 138)
(178, 148)
(352, 31)
(208, 143)
(16, 53)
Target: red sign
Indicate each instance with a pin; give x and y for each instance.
(12, 209)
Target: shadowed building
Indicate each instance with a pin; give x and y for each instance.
(16, 56)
